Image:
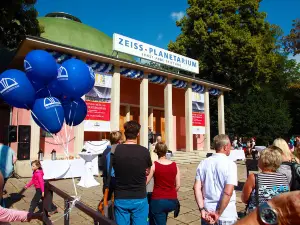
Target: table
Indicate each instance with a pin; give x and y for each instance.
(87, 179)
(237, 155)
(260, 148)
(62, 169)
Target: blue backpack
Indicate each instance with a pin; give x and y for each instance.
(112, 172)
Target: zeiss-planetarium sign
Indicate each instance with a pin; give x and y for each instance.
(140, 49)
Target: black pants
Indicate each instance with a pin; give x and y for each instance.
(50, 207)
(35, 201)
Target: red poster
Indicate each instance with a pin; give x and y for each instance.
(98, 111)
(198, 119)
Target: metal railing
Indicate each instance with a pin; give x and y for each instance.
(97, 217)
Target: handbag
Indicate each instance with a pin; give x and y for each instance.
(177, 209)
(241, 215)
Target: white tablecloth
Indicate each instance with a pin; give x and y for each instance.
(87, 179)
(96, 147)
(59, 169)
(237, 155)
(260, 148)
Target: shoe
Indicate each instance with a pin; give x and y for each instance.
(52, 213)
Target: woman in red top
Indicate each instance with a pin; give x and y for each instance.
(166, 185)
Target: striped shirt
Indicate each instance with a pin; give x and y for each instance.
(269, 186)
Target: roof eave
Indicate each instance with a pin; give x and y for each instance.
(30, 43)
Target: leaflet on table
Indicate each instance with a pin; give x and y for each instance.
(98, 103)
(198, 113)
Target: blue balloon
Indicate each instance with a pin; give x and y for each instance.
(92, 81)
(16, 89)
(40, 67)
(50, 90)
(75, 112)
(75, 78)
(48, 114)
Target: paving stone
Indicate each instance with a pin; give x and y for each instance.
(172, 221)
(187, 218)
(189, 213)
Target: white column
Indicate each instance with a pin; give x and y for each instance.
(34, 140)
(168, 115)
(127, 113)
(221, 117)
(144, 111)
(188, 119)
(79, 137)
(151, 118)
(207, 120)
(115, 101)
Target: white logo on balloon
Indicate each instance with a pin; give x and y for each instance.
(62, 73)
(27, 65)
(8, 85)
(51, 102)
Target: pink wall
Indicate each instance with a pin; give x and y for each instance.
(22, 117)
(58, 142)
(130, 93)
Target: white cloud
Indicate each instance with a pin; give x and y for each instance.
(160, 36)
(177, 15)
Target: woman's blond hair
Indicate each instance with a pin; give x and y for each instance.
(271, 158)
(281, 143)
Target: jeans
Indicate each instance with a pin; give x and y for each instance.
(35, 201)
(159, 209)
(2, 200)
(131, 211)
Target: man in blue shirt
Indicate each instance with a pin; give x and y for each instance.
(7, 161)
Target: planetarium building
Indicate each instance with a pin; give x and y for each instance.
(174, 105)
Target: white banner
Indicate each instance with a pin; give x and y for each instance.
(140, 49)
(98, 103)
(198, 113)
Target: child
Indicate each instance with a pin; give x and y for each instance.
(38, 182)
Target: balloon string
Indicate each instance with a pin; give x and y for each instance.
(57, 140)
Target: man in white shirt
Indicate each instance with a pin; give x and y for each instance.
(216, 177)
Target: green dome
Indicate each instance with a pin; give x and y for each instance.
(77, 34)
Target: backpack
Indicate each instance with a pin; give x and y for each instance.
(295, 169)
(106, 205)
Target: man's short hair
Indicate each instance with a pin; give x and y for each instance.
(132, 129)
(115, 137)
(220, 141)
(271, 158)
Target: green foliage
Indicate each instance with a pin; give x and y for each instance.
(17, 19)
(237, 47)
(231, 39)
(292, 41)
(263, 114)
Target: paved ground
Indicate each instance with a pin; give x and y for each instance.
(189, 213)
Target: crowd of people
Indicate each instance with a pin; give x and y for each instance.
(143, 189)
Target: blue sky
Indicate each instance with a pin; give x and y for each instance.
(152, 21)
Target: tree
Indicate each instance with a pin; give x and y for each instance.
(17, 19)
(263, 115)
(231, 39)
(292, 41)
(237, 47)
